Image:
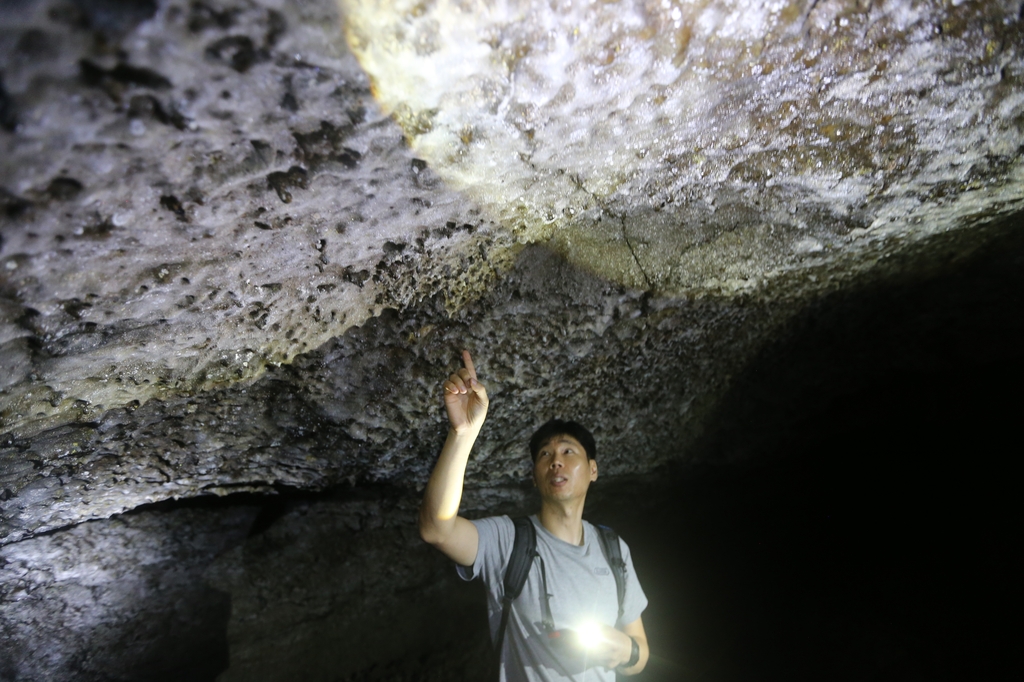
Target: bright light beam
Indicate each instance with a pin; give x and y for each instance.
(590, 634)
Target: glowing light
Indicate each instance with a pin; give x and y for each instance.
(590, 634)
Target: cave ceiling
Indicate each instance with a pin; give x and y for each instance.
(242, 241)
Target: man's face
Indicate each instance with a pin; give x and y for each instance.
(562, 470)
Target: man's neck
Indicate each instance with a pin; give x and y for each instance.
(563, 520)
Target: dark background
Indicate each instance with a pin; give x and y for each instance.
(869, 528)
(886, 552)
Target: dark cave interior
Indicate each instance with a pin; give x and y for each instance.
(873, 534)
(879, 548)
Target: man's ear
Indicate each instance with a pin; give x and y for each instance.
(593, 470)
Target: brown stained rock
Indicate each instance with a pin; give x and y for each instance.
(712, 146)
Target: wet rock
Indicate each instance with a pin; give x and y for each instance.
(707, 121)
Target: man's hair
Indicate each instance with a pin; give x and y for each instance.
(557, 427)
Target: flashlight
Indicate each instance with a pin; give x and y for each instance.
(589, 634)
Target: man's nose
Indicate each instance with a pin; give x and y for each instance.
(556, 461)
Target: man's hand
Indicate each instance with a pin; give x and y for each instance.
(465, 398)
(605, 646)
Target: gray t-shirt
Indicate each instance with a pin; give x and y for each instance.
(582, 588)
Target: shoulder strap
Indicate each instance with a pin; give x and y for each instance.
(524, 548)
(613, 553)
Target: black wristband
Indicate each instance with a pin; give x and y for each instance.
(634, 656)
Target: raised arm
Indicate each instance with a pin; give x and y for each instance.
(465, 400)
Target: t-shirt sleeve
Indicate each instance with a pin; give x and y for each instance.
(496, 536)
(635, 601)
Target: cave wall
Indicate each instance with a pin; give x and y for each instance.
(241, 241)
(205, 203)
(120, 598)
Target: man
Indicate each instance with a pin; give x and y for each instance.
(542, 641)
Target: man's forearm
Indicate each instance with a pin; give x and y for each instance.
(443, 494)
(635, 631)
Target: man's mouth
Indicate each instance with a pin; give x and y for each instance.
(558, 480)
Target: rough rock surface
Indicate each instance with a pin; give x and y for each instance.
(120, 596)
(688, 146)
(195, 199)
(203, 202)
(168, 594)
(242, 240)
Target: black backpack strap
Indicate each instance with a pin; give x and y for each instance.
(613, 553)
(524, 549)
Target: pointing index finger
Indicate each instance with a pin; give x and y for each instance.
(468, 362)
